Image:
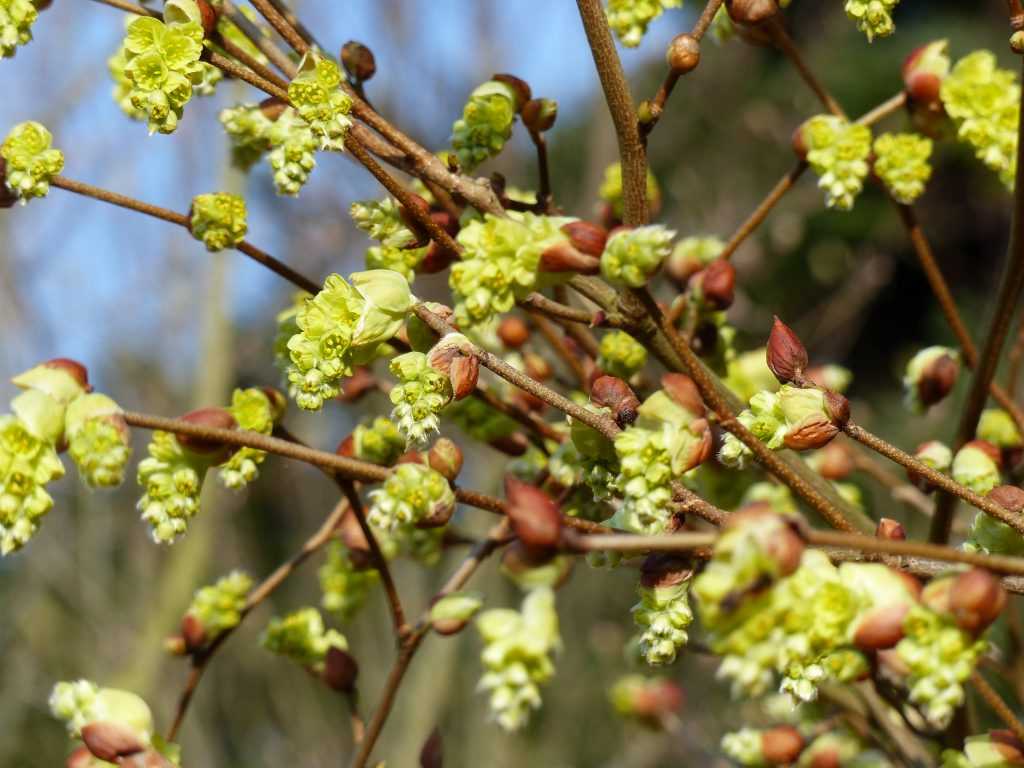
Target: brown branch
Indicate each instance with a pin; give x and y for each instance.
(544, 197)
(125, 5)
(784, 42)
(620, 103)
(180, 219)
(938, 479)
(995, 701)
(262, 591)
(554, 339)
(246, 59)
(263, 42)
(280, 24)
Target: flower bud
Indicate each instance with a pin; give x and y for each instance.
(932, 374)
(432, 753)
(1003, 746)
(563, 257)
(786, 354)
(778, 537)
(340, 670)
(515, 444)
(192, 632)
(934, 454)
(649, 700)
(111, 741)
(751, 12)
(453, 356)
(586, 237)
(812, 416)
(540, 114)
(1009, 497)
(520, 87)
(880, 627)
(682, 390)
(976, 466)
(834, 461)
(615, 394)
(976, 598)
(537, 367)
(890, 529)
(62, 379)
(716, 284)
(924, 70)
(273, 107)
(513, 332)
(535, 517)
(781, 745)
(358, 61)
(218, 418)
(446, 457)
(464, 373)
(450, 614)
(683, 54)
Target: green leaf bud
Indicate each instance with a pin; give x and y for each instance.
(218, 220)
(30, 162)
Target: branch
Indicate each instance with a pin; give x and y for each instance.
(995, 701)
(620, 104)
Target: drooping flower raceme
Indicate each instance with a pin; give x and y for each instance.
(901, 162)
(97, 438)
(629, 19)
(419, 397)
(27, 464)
(172, 477)
(500, 263)
(485, 125)
(381, 220)
(838, 152)
(412, 493)
(632, 256)
(317, 96)
(621, 355)
(82, 702)
(253, 410)
(293, 153)
(517, 656)
(162, 63)
(31, 162)
(249, 132)
(873, 17)
(16, 20)
(663, 614)
(218, 607)
(344, 586)
(218, 220)
(301, 637)
(379, 442)
(984, 102)
(341, 327)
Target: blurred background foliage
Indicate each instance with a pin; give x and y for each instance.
(165, 327)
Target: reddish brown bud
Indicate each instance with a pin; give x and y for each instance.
(358, 61)
(881, 627)
(464, 373)
(937, 379)
(539, 115)
(193, 633)
(683, 54)
(521, 88)
(513, 331)
(657, 699)
(835, 462)
(340, 670)
(72, 368)
(80, 758)
(922, 73)
(432, 753)
(838, 408)
(976, 599)
(218, 418)
(988, 449)
(411, 213)
(358, 384)
(208, 17)
(717, 284)
(826, 757)
(437, 259)
(664, 570)
(586, 237)
(535, 517)
(812, 433)
(537, 367)
(1009, 497)
(799, 142)
(445, 457)
(781, 745)
(1010, 748)
(684, 392)
(563, 257)
(273, 107)
(782, 543)
(515, 444)
(612, 392)
(786, 355)
(890, 529)
(354, 539)
(347, 447)
(111, 741)
(410, 457)
(751, 11)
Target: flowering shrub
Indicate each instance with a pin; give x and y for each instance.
(651, 427)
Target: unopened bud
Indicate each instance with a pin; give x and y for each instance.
(786, 354)
(453, 356)
(615, 394)
(513, 332)
(539, 115)
(586, 237)
(432, 753)
(781, 745)
(464, 373)
(751, 12)
(976, 599)
(358, 61)
(193, 633)
(890, 529)
(716, 284)
(835, 461)
(881, 627)
(208, 14)
(340, 670)
(273, 107)
(450, 614)
(445, 457)
(537, 367)
(563, 257)
(1009, 497)
(535, 517)
(515, 444)
(217, 418)
(937, 379)
(683, 54)
(111, 741)
(520, 86)
(684, 392)
(924, 70)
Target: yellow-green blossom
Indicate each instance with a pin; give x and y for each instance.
(249, 131)
(632, 256)
(97, 438)
(82, 702)
(419, 397)
(901, 162)
(30, 160)
(172, 478)
(485, 125)
(219, 606)
(27, 463)
(663, 614)
(873, 17)
(293, 153)
(838, 152)
(620, 354)
(629, 18)
(379, 442)
(301, 637)
(412, 493)
(344, 586)
(218, 220)
(253, 411)
(317, 96)
(16, 20)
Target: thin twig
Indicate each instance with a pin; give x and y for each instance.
(280, 24)
(125, 5)
(1000, 707)
(781, 38)
(554, 338)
